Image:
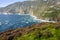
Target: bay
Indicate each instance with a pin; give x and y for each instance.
(13, 21)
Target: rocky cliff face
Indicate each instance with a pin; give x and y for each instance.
(18, 7)
(29, 7)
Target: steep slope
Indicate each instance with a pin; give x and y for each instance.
(40, 31)
(36, 8)
(17, 7)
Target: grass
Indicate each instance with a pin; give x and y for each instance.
(45, 32)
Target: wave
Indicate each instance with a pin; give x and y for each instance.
(41, 20)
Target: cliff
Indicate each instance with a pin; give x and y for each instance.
(36, 8)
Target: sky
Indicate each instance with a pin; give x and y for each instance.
(4, 3)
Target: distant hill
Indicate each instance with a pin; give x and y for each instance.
(17, 7)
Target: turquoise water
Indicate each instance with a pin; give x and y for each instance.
(8, 22)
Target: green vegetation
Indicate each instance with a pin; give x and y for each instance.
(46, 10)
(47, 31)
(52, 13)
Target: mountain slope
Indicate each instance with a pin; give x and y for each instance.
(36, 8)
(18, 6)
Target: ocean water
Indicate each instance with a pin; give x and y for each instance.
(8, 22)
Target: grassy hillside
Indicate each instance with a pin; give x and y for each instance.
(44, 32)
(41, 31)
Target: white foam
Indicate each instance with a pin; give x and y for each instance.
(58, 3)
(5, 13)
(41, 20)
(34, 16)
(27, 22)
(0, 23)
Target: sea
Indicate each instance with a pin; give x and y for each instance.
(13, 21)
